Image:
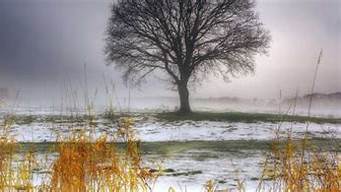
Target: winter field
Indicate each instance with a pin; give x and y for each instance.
(228, 148)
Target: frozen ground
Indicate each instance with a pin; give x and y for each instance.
(150, 129)
(192, 168)
(194, 164)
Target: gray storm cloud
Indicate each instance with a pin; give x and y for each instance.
(44, 43)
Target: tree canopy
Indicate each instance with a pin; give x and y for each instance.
(187, 39)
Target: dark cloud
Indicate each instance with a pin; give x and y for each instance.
(46, 39)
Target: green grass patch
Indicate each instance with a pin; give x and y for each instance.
(174, 147)
(243, 117)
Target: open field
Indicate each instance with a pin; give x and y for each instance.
(189, 164)
(171, 127)
(223, 147)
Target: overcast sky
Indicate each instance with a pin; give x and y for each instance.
(45, 43)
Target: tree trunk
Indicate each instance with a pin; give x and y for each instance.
(184, 98)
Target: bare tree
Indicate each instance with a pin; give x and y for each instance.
(188, 39)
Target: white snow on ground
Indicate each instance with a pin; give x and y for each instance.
(224, 170)
(212, 131)
(181, 131)
(244, 165)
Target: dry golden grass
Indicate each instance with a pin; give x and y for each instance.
(299, 167)
(83, 164)
(8, 148)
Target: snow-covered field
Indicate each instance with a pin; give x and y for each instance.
(150, 130)
(192, 165)
(192, 169)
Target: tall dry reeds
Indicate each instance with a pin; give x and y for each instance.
(83, 165)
